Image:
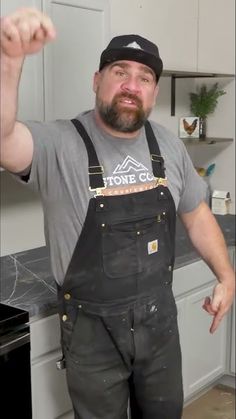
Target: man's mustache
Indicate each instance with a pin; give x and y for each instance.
(128, 96)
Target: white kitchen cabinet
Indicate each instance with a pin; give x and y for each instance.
(71, 61)
(192, 35)
(31, 86)
(50, 398)
(216, 36)
(49, 390)
(181, 307)
(69, 415)
(233, 325)
(204, 354)
(232, 355)
(171, 24)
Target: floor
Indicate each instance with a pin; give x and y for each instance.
(217, 403)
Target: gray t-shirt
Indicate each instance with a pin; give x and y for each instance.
(59, 173)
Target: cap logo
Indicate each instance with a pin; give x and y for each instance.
(133, 45)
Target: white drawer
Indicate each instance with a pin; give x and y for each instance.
(45, 336)
(190, 277)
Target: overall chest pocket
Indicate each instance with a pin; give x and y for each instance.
(130, 248)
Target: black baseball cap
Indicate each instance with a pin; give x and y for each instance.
(132, 48)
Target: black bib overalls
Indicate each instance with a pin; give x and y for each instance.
(118, 314)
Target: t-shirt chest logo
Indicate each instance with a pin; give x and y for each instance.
(129, 164)
(129, 172)
(130, 176)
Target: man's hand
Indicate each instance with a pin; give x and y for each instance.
(207, 238)
(220, 303)
(25, 32)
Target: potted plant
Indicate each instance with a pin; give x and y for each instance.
(203, 102)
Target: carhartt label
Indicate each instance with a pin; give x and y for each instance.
(153, 247)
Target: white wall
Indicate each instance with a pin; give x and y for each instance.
(21, 221)
(221, 124)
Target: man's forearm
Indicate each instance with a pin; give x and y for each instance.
(10, 78)
(209, 241)
(23, 33)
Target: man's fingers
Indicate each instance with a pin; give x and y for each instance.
(220, 303)
(218, 297)
(9, 31)
(39, 35)
(26, 31)
(9, 36)
(216, 321)
(207, 306)
(48, 27)
(28, 27)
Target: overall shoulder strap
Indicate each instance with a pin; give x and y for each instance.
(156, 158)
(95, 170)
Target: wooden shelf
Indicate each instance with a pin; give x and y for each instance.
(174, 75)
(207, 141)
(193, 74)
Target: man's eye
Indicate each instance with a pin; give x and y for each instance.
(120, 73)
(145, 80)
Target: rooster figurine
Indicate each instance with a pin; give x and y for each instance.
(190, 128)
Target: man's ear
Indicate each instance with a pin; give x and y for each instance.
(96, 79)
(156, 94)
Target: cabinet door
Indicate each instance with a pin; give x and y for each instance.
(181, 307)
(72, 59)
(233, 326)
(205, 353)
(216, 36)
(45, 336)
(31, 86)
(232, 355)
(171, 24)
(50, 397)
(68, 415)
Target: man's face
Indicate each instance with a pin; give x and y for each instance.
(126, 92)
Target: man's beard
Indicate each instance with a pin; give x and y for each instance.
(121, 118)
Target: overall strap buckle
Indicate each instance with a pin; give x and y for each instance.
(95, 170)
(161, 181)
(97, 190)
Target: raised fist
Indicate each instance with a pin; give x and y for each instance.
(24, 32)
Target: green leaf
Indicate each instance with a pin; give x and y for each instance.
(204, 101)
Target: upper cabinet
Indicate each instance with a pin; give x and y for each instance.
(71, 61)
(216, 36)
(31, 86)
(171, 24)
(192, 35)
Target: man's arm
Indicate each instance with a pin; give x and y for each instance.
(207, 238)
(24, 32)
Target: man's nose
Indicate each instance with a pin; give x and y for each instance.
(131, 85)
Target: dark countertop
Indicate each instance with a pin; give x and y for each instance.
(27, 282)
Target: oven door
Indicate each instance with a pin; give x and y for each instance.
(15, 374)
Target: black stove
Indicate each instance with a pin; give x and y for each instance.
(11, 318)
(15, 362)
